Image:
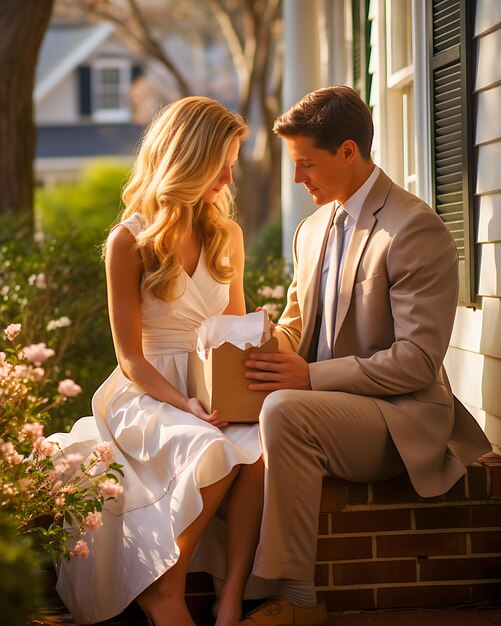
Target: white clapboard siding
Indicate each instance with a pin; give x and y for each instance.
(489, 218)
(489, 167)
(487, 16)
(489, 115)
(478, 330)
(490, 270)
(488, 65)
(491, 425)
(475, 379)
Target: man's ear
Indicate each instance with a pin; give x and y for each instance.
(350, 149)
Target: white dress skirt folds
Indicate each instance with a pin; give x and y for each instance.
(168, 455)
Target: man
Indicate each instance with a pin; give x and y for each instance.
(363, 395)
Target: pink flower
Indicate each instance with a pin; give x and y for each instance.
(33, 430)
(278, 292)
(38, 280)
(72, 461)
(266, 292)
(69, 489)
(60, 501)
(44, 448)
(81, 549)
(9, 454)
(37, 353)
(12, 331)
(94, 520)
(104, 451)
(68, 388)
(60, 323)
(109, 487)
(37, 373)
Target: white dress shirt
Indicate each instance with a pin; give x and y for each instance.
(352, 206)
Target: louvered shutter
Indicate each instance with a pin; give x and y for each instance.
(451, 93)
(84, 90)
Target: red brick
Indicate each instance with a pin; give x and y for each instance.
(322, 575)
(457, 493)
(323, 524)
(486, 515)
(348, 599)
(421, 544)
(333, 495)
(374, 572)
(477, 482)
(471, 568)
(397, 597)
(486, 593)
(371, 521)
(487, 541)
(357, 493)
(396, 490)
(496, 482)
(493, 462)
(197, 582)
(443, 517)
(344, 549)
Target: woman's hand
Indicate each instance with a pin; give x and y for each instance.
(195, 408)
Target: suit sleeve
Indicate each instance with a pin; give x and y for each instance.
(422, 270)
(289, 327)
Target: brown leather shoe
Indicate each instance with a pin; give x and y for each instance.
(281, 612)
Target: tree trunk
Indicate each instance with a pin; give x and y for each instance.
(22, 26)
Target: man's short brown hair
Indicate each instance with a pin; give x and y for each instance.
(329, 116)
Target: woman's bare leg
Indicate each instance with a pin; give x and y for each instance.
(245, 507)
(164, 600)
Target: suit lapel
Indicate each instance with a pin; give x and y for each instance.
(312, 292)
(361, 233)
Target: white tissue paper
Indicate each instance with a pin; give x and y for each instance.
(242, 331)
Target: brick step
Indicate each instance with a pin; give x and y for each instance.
(381, 546)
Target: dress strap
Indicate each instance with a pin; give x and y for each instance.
(134, 224)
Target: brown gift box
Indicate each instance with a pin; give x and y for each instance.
(219, 382)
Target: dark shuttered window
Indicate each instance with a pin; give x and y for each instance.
(451, 76)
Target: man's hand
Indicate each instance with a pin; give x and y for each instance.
(277, 370)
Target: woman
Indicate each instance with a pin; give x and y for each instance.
(175, 259)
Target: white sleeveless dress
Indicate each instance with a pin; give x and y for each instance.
(168, 456)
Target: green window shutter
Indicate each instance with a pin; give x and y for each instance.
(361, 48)
(452, 130)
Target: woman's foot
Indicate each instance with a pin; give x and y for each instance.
(164, 611)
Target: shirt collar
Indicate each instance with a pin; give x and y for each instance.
(355, 202)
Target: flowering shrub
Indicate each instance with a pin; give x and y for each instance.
(266, 286)
(55, 287)
(41, 486)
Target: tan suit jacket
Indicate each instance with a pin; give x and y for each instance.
(397, 302)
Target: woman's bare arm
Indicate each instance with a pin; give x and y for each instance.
(123, 275)
(236, 304)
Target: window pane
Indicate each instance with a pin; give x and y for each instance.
(401, 34)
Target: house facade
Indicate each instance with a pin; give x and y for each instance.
(430, 72)
(83, 100)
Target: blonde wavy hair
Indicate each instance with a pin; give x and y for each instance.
(182, 152)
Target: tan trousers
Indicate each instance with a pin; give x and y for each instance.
(307, 435)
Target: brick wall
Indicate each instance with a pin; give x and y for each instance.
(382, 546)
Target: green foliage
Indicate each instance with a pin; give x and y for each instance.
(267, 275)
(21, 581)
(90, 204)
(268, 244)
(60, 277)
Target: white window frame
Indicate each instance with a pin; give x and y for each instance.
(122, 113)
